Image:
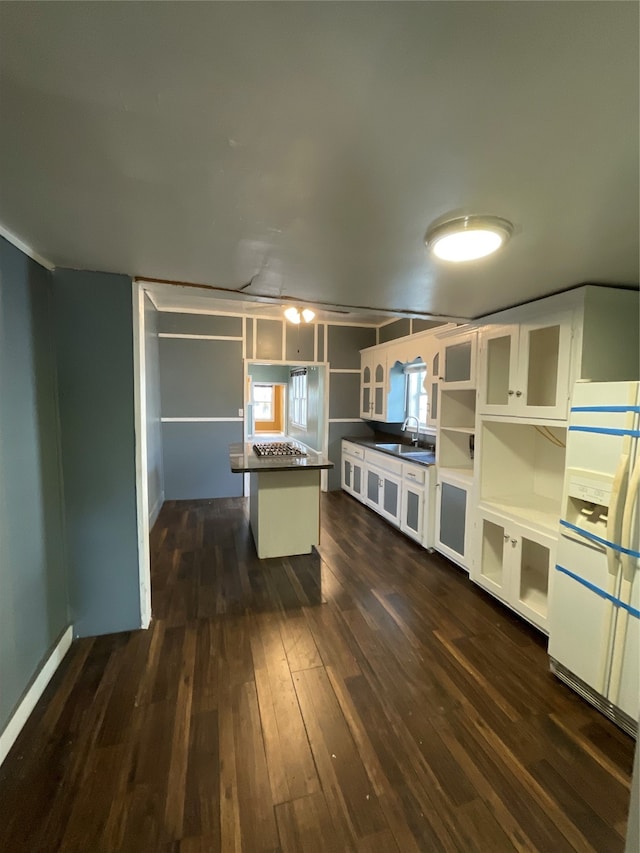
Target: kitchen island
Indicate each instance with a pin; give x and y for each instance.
(284, 499)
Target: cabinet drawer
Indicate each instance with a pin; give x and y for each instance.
(384, 461)
(353, 449)
(414, 473)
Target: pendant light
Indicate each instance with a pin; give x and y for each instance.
(294, 315)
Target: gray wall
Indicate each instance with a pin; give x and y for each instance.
(155, 471)
(96, 381)
(200, 378)
(34, 609)
(204, 379)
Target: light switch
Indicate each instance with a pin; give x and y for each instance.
(240, 413)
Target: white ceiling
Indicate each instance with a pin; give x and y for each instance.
(307, 146)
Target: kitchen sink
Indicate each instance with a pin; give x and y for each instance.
(419, 454)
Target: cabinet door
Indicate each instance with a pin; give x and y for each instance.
(452, 521)
(544, 365)
(532, 561)
(374, 488)
(390, 504)
(491, 566)
(347, 474)
(412, 511)
(379, 368)
(433, 391)
(458, 361)
(358, 479)
(498, 369)
(366, 387)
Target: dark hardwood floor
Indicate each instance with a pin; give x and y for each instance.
(366, 698)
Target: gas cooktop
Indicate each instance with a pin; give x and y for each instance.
(278, 448)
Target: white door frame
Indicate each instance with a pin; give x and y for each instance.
(140, 427)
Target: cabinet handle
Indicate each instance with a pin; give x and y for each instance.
(506, 536)
(514, 542)
(411, 476)
(510, 393)
(518, 393)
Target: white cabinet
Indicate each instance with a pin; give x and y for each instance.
(381, 387)
(433, 390)
(413, 501)
(457, 362)
(353, 470)
(384, 490)
(454, 518)
(525, 368)
(514, 562)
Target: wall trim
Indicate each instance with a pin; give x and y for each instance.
(35, 691)
(345, 370)
(201, 337)
(198, 420)
(25, 248)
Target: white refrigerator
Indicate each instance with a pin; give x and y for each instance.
(594, 608)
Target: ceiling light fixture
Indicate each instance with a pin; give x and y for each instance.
(295, 316)
(468, 238)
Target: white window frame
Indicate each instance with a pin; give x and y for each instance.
(257, 402)
(417, 373)
(298, 400)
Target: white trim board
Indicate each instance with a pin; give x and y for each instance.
(198, 420)
(25, 249)
(200, 337)
(35, 691)
(140, 426)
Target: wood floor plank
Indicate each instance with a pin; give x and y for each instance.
(364, 698)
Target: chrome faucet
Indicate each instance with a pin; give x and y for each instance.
(414, 437)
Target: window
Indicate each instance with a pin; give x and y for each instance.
(417, 401)
(298, 398)
(263, 402)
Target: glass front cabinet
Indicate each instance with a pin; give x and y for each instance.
(525, 368)
(515, 563)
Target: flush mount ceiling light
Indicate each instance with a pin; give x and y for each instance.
(468, 238)
(294, 315)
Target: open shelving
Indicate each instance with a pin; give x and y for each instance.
(522, 472)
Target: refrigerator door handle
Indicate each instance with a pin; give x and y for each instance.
(617, 489)
(628, 568)
(613, 567)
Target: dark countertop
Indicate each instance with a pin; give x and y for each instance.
(243, 460)
(416, 455)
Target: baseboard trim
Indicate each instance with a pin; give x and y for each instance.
(155, 512)
(35, 691)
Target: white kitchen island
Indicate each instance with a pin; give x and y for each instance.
(284, 499)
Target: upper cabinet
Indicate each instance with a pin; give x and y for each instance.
(381, 387)
(525, 368)
(457, 361)
(531, 356)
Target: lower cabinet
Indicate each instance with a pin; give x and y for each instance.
(454, 519)
(401, 492)
(515, 562)
(412, 520)
(384, 492)
(353, 470)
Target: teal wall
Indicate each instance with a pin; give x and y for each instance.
(34, 596)
(94, 333)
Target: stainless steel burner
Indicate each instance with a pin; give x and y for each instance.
(278, 448)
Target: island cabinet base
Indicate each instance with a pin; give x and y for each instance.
(285, 512)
